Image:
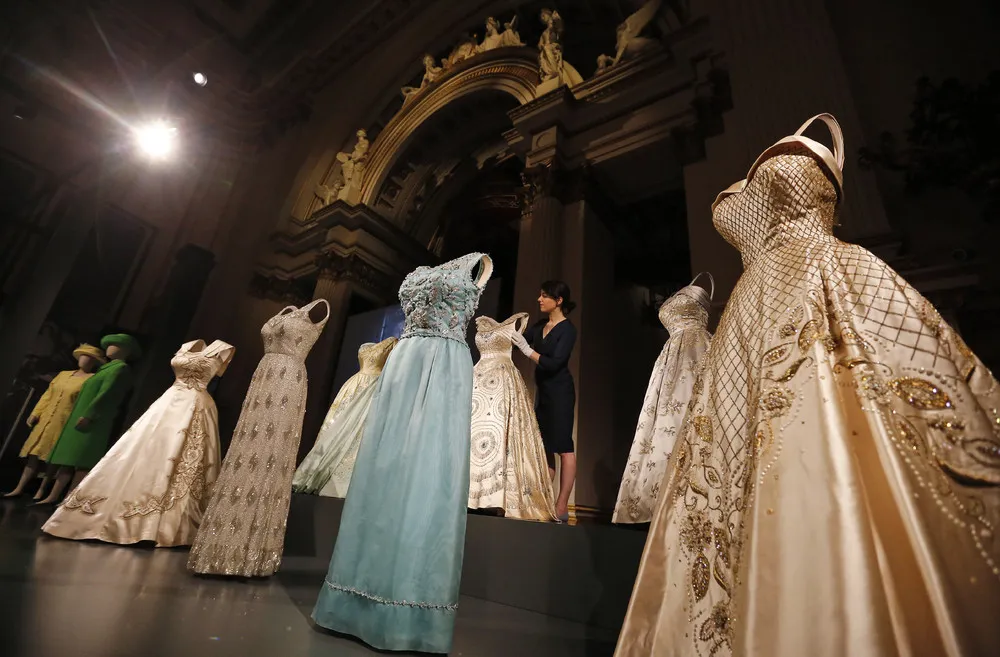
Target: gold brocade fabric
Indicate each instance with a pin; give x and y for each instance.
(508, 469)
(52, 411)
(153, 484)
(833, 490)
(243, 532)
(664, 405)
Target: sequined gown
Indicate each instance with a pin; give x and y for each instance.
(153, 484)
(243, 532)
(685, 316)
(508, 469)
(834, 488)
(394, 577)
(327, 468)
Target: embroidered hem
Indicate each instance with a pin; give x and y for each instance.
(385, 601)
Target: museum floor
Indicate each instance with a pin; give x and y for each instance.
(61, 598)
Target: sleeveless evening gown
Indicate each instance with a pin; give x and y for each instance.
(834, 488)
(685, 316)
(394, 577)
(508, 468)
(326, 469)
(153, 484)
(243, 532)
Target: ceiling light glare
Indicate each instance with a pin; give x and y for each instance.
(200, 79)
(157, 139)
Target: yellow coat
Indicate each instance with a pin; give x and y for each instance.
(52, 411)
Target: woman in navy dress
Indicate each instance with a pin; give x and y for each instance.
(549, 343)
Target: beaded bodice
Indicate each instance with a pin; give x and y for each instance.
(440, 301)
(687, 308)
(493, 337)
(292, 332)
(372, 355)
(195, 363)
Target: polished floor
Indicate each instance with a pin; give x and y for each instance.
(64, 598)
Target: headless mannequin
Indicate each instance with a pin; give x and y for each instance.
(85, 365)
(67, 476)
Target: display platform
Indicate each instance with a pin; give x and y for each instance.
(582, 573)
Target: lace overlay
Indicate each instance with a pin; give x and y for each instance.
(152, 485)
(243, 532)
(839, 452)
(508, 467)
(685, 316)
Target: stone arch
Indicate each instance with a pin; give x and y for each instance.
(511, 70)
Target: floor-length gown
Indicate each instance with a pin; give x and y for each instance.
(508, 469)
(153, 484)
(685, 316)
(327, 467)
(243, 532)
(834, 488)
(394, 577)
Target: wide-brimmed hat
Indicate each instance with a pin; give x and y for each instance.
(90, 350)
(123, 340)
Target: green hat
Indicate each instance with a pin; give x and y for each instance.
(122, 340)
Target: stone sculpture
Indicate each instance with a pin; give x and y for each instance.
(553, 70)
(431, 73)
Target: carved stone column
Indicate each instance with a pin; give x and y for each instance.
(332, 284)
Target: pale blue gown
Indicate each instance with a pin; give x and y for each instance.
(394, 577)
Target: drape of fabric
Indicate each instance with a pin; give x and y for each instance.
(100, 401)
(665, 404)
(327, 468)
(153, 484)
(507, 467)
(53, 410)
(243, 531)
(394, 577)
(834, 488)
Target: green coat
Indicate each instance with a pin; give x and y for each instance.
(99, 401)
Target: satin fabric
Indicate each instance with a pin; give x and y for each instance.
(394, 577)
(665, 404)
(328, 466)
(152, 485)
(508, 469)
(834, 488)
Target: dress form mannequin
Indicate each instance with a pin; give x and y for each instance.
(61, 390)
(118, 350)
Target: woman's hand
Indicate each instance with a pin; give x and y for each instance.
(518, 341)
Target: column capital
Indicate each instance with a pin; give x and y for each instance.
(333, 266)
(286, 290)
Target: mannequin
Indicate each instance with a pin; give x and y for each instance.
(50, 414)
(85, 437)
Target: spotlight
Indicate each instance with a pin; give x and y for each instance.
(156, 139)
(200, 79)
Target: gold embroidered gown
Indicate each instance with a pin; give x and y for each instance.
(52, 411)
(327, 468)
(834, 488)
(507, 466)
(243, 533)
(152, 484)
(685, 316)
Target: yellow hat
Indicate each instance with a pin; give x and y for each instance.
(90, 350)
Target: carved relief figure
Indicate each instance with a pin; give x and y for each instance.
(628, 43)
(352, 168)
(496, 39)
(551, 65)
(466, 48)
(431, 73)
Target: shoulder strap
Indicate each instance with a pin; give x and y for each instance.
(308, 307)
(711, 279)
(485, 271)
(521, 322)
(835, 132)
(224, 352)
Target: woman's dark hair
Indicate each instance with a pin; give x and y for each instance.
(557, 290)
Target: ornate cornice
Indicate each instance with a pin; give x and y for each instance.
(352, 268)
(286, 290)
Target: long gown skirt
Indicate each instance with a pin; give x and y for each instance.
(151, 485)
(394, 576)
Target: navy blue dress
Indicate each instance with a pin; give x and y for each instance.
(555, 398)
